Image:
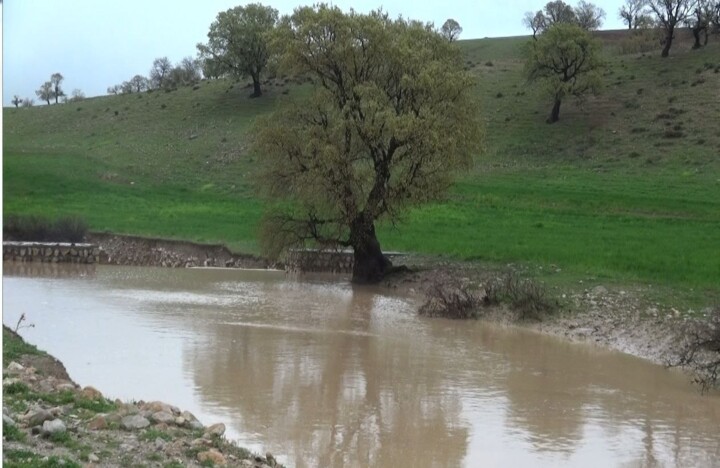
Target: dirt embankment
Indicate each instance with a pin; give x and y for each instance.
(48, 420)
(142, 251)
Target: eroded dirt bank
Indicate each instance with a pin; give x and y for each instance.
(48, 420)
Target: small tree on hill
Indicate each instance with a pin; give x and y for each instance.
(126, 87)
(589, 16)
(566, 60)
(557, 12)
(160, 70)
(77, 95)
(45, 92)
(451, 30)
(56, 79)
(670, 13)
(701, 20)
(238, 42)
(16, 101)
(634, 13)
(390, 117)
(535, 22)
(139, 83)
(27, 102)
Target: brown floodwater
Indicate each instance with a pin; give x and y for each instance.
(323, 373)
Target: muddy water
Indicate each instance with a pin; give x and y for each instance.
(325, 374)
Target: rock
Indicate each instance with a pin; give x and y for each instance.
(196, 425)
(201, 443)
(162, 417)
(215, 430)
(213, 456)
(37, 417)
(91, 393)
(7, 420)
(159, 444)
(247, 464)
(92, 458)
(270, 459)
(156, 406)
(134, 422)
(180, 421)
(14, 367)
(64, 385)
(52, 427)
(97, 423)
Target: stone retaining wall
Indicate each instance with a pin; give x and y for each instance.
(50, 252)
(325, 261)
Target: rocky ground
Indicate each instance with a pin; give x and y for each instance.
(49, 421)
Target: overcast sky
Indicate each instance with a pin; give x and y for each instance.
(98, 43)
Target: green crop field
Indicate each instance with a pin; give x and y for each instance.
(625, 187)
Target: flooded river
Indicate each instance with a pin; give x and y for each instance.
(322, 373)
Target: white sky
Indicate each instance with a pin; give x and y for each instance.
(98, 43)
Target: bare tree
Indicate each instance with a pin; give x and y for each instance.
(451, 30)
(139, 83)
(114, 89)
(56, 79)
(192, 71)
(633, 12)
(670, 13)
(589, 16)
(77, 95)
(16, 100)
(126, 87)
(45, 92)
(535, 22)
(701, 21)
(27, 102)
(160, 69)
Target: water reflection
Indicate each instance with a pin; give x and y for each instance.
(48, 270)
(324, 374)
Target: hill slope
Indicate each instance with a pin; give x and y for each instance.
(626, 186)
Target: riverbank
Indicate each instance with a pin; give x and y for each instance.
(49, 421)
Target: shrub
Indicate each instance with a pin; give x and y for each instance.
(528, 297)
(40, 229)
(699, 349)
(450, 298)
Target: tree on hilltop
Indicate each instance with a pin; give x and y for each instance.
(588, 16)
(670, 13)
(238, 42)
(451, 30)
(160, 70)
(45, 92)
(566, 61)
(139, 83)
(635, 14)
(16, 101)
(56, 79)
(390, 116)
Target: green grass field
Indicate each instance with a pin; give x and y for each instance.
(626, 187)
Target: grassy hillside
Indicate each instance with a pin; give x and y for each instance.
(625, 187)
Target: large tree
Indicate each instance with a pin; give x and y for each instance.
(670, 13)
(566, 61)
(56, 79)
(701, 20)
(45, 92)
(238, 41)
(390, 116)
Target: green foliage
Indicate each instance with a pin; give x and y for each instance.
(13, 433)
(29, 459)
(238, 41)
(566, 60)
(388, 120)
(14, 346)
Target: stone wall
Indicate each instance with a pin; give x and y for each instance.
(50, 252)
(325, 261)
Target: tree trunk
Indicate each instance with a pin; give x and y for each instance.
(555, 114)
(370, 265)
(696, 34)
(257, 92)
(668, 42)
